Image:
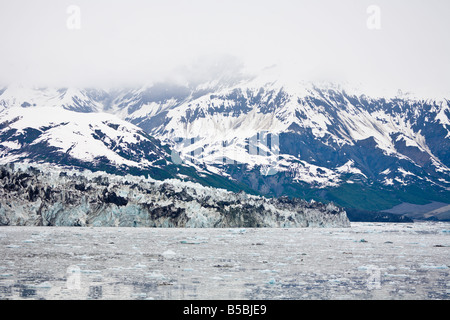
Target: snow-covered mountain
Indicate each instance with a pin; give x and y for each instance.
(74, 99)
(314, 140)
(283, 137)
(321, 133)
(29, 134)
(94, 141)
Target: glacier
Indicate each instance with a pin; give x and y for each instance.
(47, 195)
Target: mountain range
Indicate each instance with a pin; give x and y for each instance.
(266, 136)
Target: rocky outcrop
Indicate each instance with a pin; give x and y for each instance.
(42, 195)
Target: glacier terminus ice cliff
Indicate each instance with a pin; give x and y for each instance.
(42, 195)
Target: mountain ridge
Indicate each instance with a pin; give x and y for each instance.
(287, 137)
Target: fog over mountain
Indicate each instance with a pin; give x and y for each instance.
(117, 43)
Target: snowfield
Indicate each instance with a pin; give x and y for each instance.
(366, 261)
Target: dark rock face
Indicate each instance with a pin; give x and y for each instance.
(50, 197)
(112, 197)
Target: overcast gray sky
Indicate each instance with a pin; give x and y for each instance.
(136, 41)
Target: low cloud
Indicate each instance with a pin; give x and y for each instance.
(135, 42)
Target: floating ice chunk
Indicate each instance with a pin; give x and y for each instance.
(191, 242)
(43, 285)
(395, 275)
(368, 268)
(201, 238)
(268, 271)
(156, 275)
(89, 271)
(119, 268)
(239, 231)
(392, 268)
(434, 267)
(334, 280)
(169, 254)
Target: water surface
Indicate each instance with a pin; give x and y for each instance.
(366, 261)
